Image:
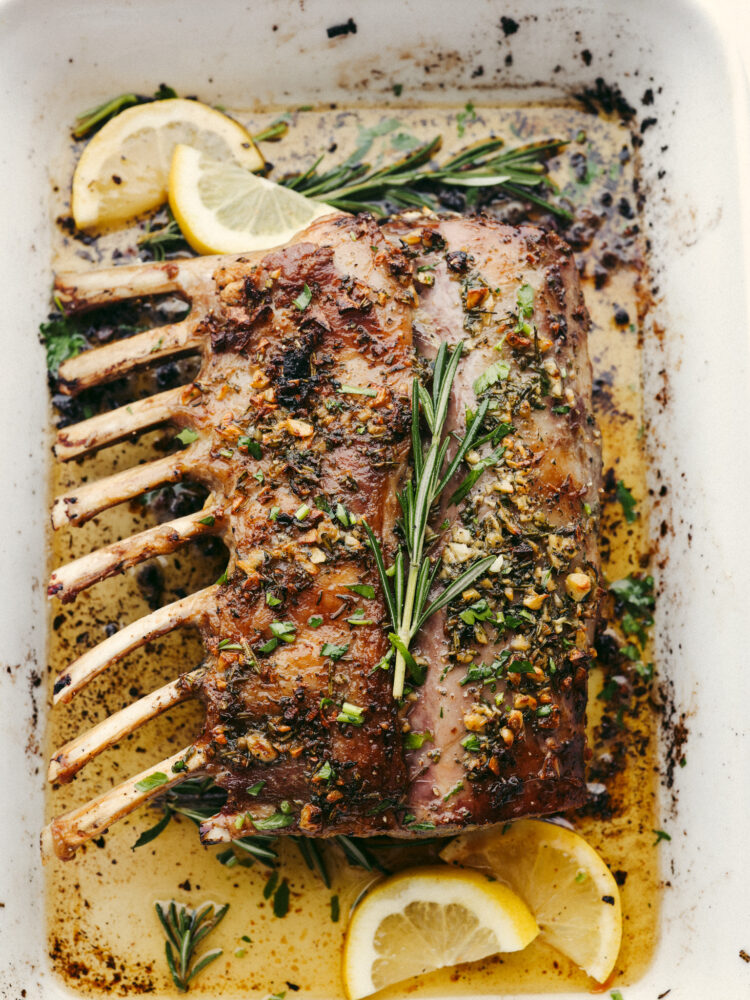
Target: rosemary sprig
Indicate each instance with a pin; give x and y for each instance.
(407, 592)
(185, 929)
(198, 799)
(275, 131)
(412, 181)
(162, 240)
(93, 119)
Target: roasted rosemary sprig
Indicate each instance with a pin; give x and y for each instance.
(413, 182)
(163, 239)
(185, 929)
(199, 798)
(405, 592)
(93, 119)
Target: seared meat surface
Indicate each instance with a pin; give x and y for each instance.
(301, 419)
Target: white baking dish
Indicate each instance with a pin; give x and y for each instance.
(58, 56)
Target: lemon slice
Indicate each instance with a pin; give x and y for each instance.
(565, 883)
(223, 208)
(425, 918)
(123, 171)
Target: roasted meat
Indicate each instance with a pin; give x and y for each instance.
(300, 424)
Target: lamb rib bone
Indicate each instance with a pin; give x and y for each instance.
(270, 723)
(71, 579)
(107, 428)
(64, 835)
(188, 610)
(69, 759)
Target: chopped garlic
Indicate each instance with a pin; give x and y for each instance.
(577, 585)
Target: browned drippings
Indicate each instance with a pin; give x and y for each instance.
(103, 932)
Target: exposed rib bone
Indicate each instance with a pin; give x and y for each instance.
(112, 360)
(68, 760)
(64, 835)
(67, 581)
(106, 428)
(87, 501)
(92, 663)
(98, 288)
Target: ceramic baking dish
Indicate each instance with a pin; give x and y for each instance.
(58, 56)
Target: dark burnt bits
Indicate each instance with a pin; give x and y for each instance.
(348, 27)
(606, 98)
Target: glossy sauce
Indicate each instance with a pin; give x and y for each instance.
(103, 932)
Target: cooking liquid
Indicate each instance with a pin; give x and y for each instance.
(103, 931)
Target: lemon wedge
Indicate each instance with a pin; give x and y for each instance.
(565, 883)
(223, 208)
(425, 918)
(123, 170)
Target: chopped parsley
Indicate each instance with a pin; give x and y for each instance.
(332, 650)
(286, 631)
(627, 501)
(363, 589)
(187, 435)
(276, 821)
(415, 741)
(497, 372)
(155, 780)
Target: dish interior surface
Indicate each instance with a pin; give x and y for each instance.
(692, 220)
(107, 924)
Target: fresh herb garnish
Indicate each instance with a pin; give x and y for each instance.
(162, 240)
(187, 435)
(415, 741)
(469, 114)
(62, 339)
(252, 446)
(406, 596)
(185, 929)
(155, 780)
(275, 131)
(286, 631)
(354, 186)
(498, 371)
(661, 835)
(352, 714)
(304, 298)
(627, 501)
(93, 119)
(332, 650)
(276, 821)
(315, 621)
(363, 589)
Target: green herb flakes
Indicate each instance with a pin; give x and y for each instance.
(155, 780)
(497, 372)
(187, 435)
(304, 299)
(333, 651)
(627, 501)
